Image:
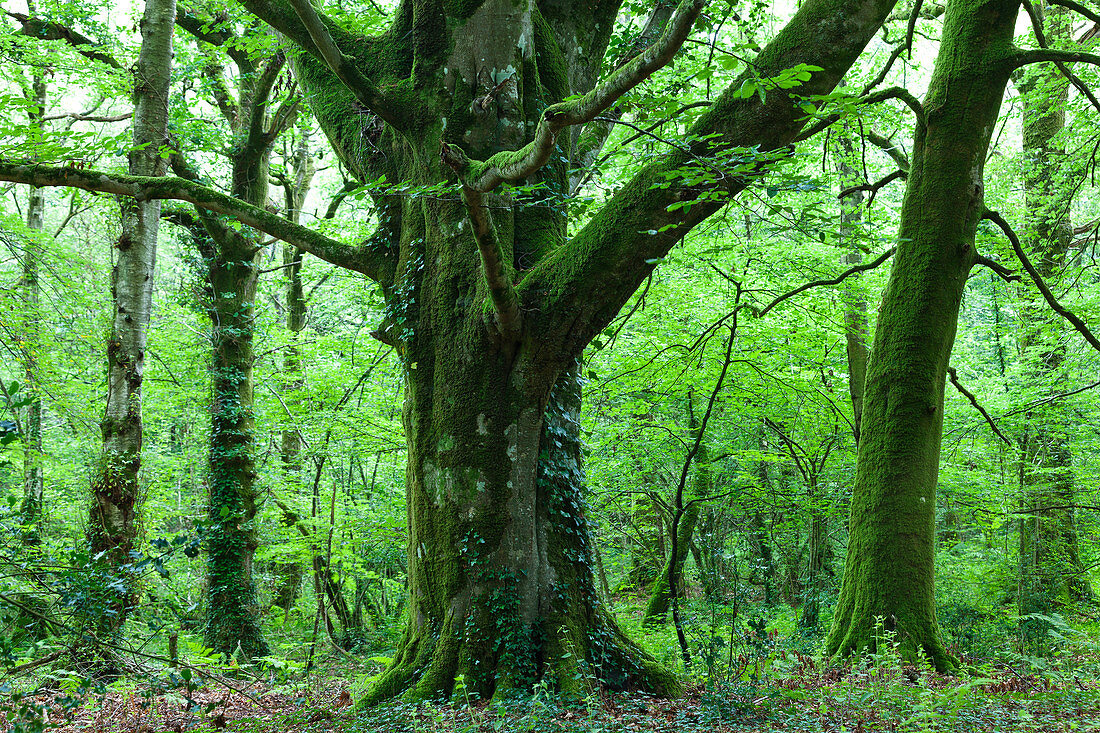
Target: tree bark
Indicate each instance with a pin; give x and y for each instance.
(113, 520)
(889, 572)
(855, 302)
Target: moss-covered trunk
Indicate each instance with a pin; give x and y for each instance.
(232, 613)
(500, 566)
(1051, 572)
(889, 570)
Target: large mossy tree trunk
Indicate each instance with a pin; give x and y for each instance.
(889, 575)
(1051, 572)
(490, 303)
(113, 521)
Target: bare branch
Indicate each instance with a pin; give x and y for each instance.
(873, 187)
(1057, 307)
(912, 27)
(831, 281)
(1003, 272)
(974, 401)
(1078, 8)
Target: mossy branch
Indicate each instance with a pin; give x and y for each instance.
(1044, 289)
(515, 165)
(375, 262)
(343, 67)
(498, 275)
(1055, 56)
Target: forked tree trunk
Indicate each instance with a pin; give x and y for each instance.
(113, 520)
(889, 572)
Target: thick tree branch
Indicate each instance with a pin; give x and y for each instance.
(516, 165)
(1055, 56)
(1057, 307)
(576, 290)
(45, 30)
(829, 281)
(375, 262)
(498, 275)
(889, 147)
(343, 67)
(974, 401)
(592, 137)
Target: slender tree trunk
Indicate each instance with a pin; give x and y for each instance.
(855, 301)
(813, 586)
(889, 571)
(656, 610)
(290, 573)
(33, 476)
(113, 520)
(1051, 572)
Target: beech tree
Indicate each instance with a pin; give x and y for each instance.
(490, 302)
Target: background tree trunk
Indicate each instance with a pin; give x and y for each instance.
(33, 476)
(1051, 572)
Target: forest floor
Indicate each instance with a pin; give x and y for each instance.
(894, 698)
